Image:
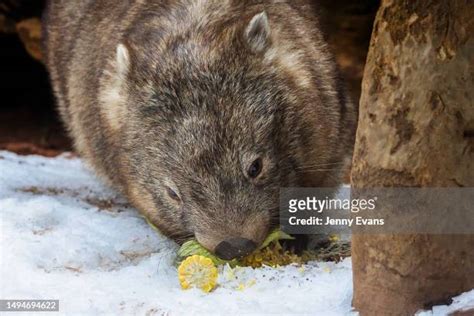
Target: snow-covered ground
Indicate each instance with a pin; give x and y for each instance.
(65, 236)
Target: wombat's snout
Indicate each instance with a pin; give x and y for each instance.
(234, 248)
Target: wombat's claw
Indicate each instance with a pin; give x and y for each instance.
(316, 242)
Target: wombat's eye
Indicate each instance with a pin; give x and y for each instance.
(255, 168)
(172, 194)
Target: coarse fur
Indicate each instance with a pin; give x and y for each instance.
(171, 101)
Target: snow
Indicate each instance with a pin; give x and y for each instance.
(463, 304)
(65, 236)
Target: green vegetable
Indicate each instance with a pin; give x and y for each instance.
(275, 236)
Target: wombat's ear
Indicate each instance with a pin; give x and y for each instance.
(258, 32)
(112, 94)
(122, 60)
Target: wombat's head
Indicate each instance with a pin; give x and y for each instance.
(214, 127)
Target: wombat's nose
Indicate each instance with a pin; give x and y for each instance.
(234, 248)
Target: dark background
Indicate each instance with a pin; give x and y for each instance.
(28, 120)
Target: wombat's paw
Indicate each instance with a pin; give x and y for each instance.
(318, 241)
(297, 245)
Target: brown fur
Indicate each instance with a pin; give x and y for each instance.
(185, 95)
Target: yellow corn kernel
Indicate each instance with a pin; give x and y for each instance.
(334, 238)
(199, 272)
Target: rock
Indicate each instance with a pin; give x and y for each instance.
(24, 18)
(29, 31)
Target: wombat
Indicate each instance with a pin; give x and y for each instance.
(199, 111)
